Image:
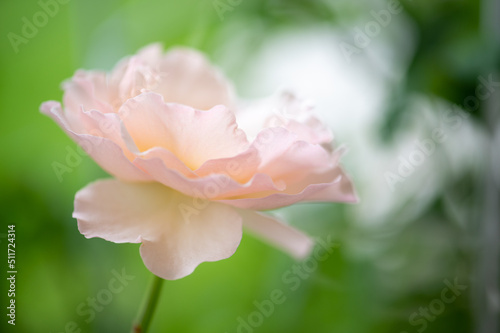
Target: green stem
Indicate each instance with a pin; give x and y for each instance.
(149, 306)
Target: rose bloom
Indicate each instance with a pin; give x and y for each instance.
(192, 166)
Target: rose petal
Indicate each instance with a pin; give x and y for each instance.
(288, 160)
(189, 78)
(193, 136)
(278, 233)
(151, 54)
(212, 187)
(339, 189)
(241, 167)
(135, 75)
(297, 162)
(182, 76)
(177, 233)
(287, 111)
(297, 116)
(137, 78)
(310, 129)
(106, 152)
(169, 160)
(87, 89)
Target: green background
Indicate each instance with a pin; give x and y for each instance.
(377, 275)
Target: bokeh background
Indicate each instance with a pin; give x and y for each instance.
(380, 89)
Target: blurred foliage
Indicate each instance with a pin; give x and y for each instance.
(452, 51)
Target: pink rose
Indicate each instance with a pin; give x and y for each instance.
(190, 167)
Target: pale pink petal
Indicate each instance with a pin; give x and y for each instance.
(107, 153)
(181, 75)
(271, 143)
(309, 129)
(339, 189)
(193, 136)
(87, 90)
(241, 167)
(189, 78)
(169, 160)
(297, 162)
(138, 78)
(288, 160)
(297, 116)
(286, 171)
(151, 54)
(287, 111)
(277, 233)
(136, 74)
(177, 232)
(214, 186)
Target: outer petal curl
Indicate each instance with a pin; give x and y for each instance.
(176, 234)
(106, 151)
